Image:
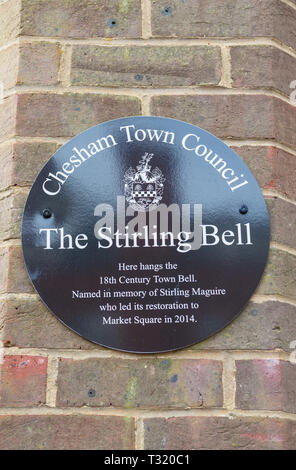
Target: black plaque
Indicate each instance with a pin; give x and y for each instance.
(145, 234)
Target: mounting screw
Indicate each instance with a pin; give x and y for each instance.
(46, 213)
(244, 209)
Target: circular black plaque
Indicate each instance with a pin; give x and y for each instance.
(145, 234)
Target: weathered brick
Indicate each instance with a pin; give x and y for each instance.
(23, 161)
(140, 383)
(266, 385)
(13, 274)
(284, 22)
(232, 18)
(284, 122)
(273, 168)
(7, 117)
(27, 323)
(219, 433)
(3, 269)
(11, 211)
(9, 20)
(268, 325)
(34, 63)
(279, 277)
(236, 116)
(56, 115)
(262, 67)
(6, 156)
(39, 63)
(83, 19)
(41, 432)
(282, 220)
(9, 66)
(23, 381)
(260, 162)
(155, 66)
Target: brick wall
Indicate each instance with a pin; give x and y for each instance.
(225, 66)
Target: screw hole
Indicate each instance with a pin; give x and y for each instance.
(111, 22)
(167, 11)
(91, 393)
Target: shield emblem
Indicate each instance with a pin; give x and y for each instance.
(144, 193)
(143, 188)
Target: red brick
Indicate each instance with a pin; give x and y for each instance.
(232, 18)
(34, 63)
(9, 66)
(23, 381)
(262, 67)
(268, 325)
(23, 161)
(41, 432)
(156, 66)
(272, 167)
(68, 114)
(13, 277)
(282, 220)
(219, 433)
(232, 116)
(27, 323)
(39, 63)
(284, 22)
(6, 156)
(3, 269)
(279, 276)
(7, 117)
(11, 212)
(85, 19)
(266, 385)
(284, 122)
(140, 383)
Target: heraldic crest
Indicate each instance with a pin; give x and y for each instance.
(143, 188)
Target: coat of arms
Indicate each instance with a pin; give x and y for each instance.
(143, 188)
